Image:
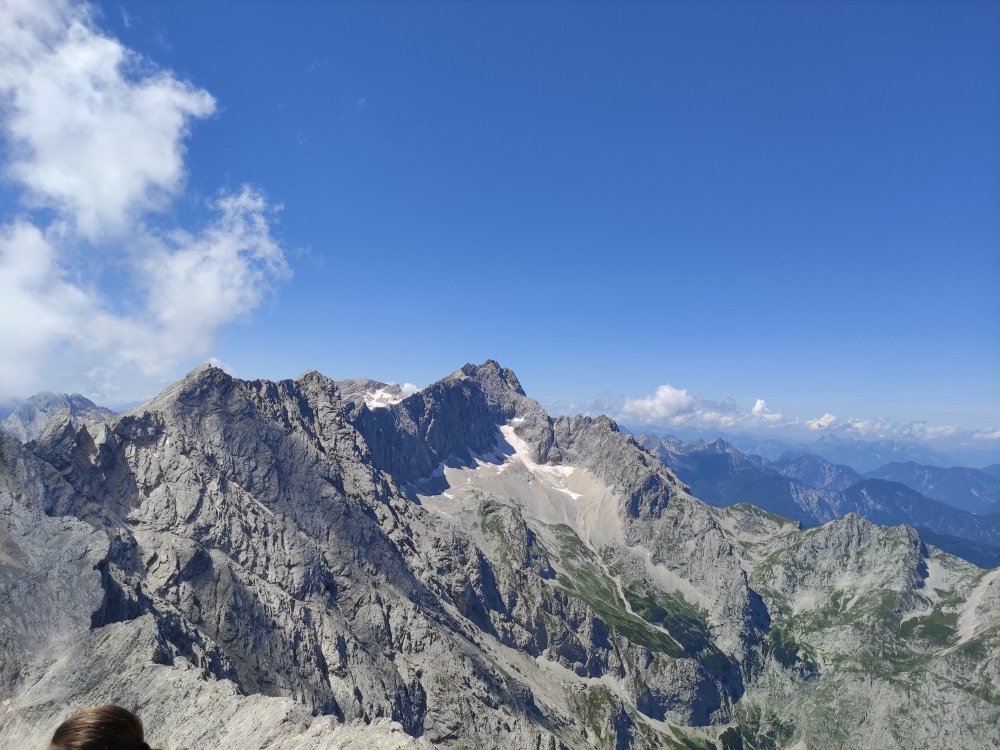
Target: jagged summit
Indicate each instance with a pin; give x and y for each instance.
(358, 392)
(316, 563)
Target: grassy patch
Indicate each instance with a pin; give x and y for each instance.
(596, 708)
(938, 628)
(761, 729)
(683, 621)
(586, 580)
(788, 652)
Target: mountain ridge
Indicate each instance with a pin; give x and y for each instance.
(507, 580)
(972, 490)
(26, 419)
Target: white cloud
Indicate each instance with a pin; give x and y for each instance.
(37, 305)
(92, 131)
(96, 134)
(668, 404)
(886, 428)
(677, 407)
(196, 283)
(761, 411)
(671, 408)
(821, 423)
(674, 408)
(409, 389)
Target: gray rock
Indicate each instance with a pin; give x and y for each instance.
(301, 564)
(26, 419)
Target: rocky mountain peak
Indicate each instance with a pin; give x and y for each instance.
(27, 419)
(289, 564)
(453, 419)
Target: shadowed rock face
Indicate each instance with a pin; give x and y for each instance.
(308, 563)
(455, 418)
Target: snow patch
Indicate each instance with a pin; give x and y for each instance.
(550, 494)
(555, 470)
(381, 398)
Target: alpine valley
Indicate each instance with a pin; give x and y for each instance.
(332, 564)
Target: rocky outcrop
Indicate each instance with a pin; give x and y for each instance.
(307, 563)
(453, 419)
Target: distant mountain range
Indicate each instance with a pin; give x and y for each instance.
(812, 490)
(817, 472)
(973, 490)
(861, 455)
(721, 475)
(993, 470)
(26, 419)
(864, 455)
(314, 563)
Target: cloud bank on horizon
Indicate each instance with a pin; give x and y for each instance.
(674, 408)
(95, 150)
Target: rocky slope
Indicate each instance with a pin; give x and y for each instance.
(26, 419)
(318, 564)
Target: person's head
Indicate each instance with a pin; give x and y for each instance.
(100, 728)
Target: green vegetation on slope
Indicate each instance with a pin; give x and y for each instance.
(585, 579)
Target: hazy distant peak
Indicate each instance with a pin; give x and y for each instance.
(969, 489)
(29, 417)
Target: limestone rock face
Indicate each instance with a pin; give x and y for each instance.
(313, 563)
(26, 420)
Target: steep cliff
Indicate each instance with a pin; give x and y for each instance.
(310, 563)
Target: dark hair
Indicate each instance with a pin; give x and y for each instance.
(100, 728)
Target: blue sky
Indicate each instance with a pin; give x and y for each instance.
(795, 202)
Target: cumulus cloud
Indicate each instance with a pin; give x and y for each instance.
(92, 131)
(821, 423)
(95, 134)
(674, 408)
(668, 405)
(409, 389)
(677, 407)
(761, 411)
(886, 428)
